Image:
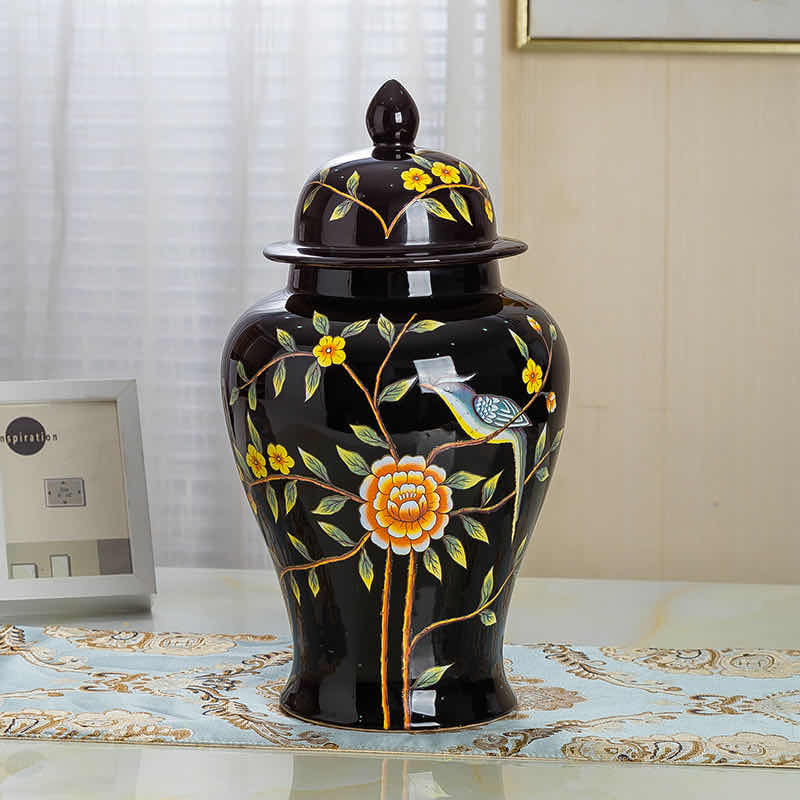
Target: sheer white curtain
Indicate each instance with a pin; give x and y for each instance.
(149, 148)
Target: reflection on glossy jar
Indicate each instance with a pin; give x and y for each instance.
(395, 415)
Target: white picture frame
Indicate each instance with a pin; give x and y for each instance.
(112, 592)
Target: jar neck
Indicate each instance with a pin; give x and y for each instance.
(395, 282)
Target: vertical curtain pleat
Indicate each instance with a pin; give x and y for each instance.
(148, 150)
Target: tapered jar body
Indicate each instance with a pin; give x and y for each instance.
(396, 431)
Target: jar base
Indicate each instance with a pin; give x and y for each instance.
(493, 705)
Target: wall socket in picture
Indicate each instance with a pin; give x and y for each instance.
(64, 492)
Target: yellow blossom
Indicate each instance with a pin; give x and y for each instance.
(445, 172)
(330, 350)
(534, 324)
(279, 459)
(256, 462)
(415, 178)
(488, 208)
(532, 376)
(550, 401)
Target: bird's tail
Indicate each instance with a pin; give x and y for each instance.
(519, 442)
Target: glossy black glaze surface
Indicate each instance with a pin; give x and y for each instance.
(396, 416)
(336, 672)
(394, 203)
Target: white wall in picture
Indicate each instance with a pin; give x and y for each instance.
(665, 19)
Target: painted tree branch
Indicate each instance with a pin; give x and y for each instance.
(375, 411)
(499, 503)
(303, 479)
(329, 559)
(442, 622)
(281, 357)
(352, 198)
(406, 653)
(387, 357)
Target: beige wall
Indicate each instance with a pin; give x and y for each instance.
(660, 196)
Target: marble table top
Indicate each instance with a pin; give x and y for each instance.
(619, 613)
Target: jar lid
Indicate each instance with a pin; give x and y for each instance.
(394, 204)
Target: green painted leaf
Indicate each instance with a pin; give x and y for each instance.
(553, 334)
(369, 436)
(234, 395)
(337, 534)
(330, 504)
(240, 370)
(542, 474)
(475, 529)
(272, 499)
(466, 172)
(425, 325)
(432, 563)
(520, 551)
(488, 585)
(355, 328)
(521, 346)
(433, 206)
(540, 443)
(365, 569)
(295, 588)
(461, 205)
(290, 495)
(341, 209)
(321, 324)
(430, 677)
(310, 198)
(352, 183)
(462, 480)
(254, 437)
(386, 328)
(251, 396)
(423, 162)
(313, 582)
(285, 340)
(455, 550)
(488, 617)
(489, 487)
(313, 374)
(355, 463)
(314, 465)
(240, 460)
(279, 377)
(299, 546)
(394, 391)
(556, 440)
(323, 174)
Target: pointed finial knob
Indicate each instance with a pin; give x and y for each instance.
(392, 116)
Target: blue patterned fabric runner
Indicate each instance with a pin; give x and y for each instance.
(738, 707)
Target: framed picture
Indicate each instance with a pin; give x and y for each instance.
(767, 26)
(74, 519)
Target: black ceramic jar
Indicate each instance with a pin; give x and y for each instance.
(396, 414)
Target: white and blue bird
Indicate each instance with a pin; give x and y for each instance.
(479, 415)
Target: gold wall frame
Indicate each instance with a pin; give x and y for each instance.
(755, 46)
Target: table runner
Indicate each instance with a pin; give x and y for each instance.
(721, 707)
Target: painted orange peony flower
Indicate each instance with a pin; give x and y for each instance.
(330, 350)
(279, 459)
(445, 172)
(550, 400)
(415, 179)
(256, 462)
(532, 376)
(406, 503)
